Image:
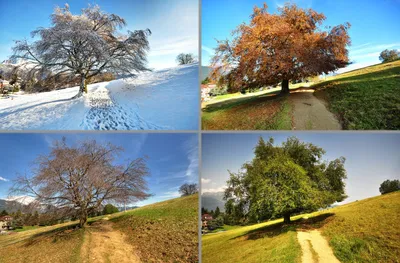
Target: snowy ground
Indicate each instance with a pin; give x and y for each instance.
(164, 99)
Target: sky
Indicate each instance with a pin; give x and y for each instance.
(173, 158)
(374, 24)
(174, 23)
(371, 158)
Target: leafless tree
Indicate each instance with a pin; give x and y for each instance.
(79, 179)
(188, 189)
(85, 45)
(184, 59)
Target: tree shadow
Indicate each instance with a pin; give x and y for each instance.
(281, 228)
(61, 233)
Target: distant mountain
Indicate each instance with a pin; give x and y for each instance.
(204, 72)
(2, 204)
(210, 201)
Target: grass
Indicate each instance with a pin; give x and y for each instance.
(25, 228)
(362, 231)
(161, 232)
(264, 111)
(365, 99)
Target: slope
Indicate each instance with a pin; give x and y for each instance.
(365, 99)
(362, 231)
(164, 99)
(161, 232)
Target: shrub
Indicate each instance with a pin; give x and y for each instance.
(219, 91)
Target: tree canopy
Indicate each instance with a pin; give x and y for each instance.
(389, 186)
(188, 189)
(284, 180)
(277, 48)
(109, 209)
(389, 55)
(85, 45)
(184, 59)
(77, 180)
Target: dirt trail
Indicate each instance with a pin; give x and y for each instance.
(312, 242)
(104, 244)
(310, 113)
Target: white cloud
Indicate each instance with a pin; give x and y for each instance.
(171, 194)
(191, 146)
(205, 181)
(213, 190)
(4, 179)
(175, 47)
(371, 48)
(356, 66)
(209, 50)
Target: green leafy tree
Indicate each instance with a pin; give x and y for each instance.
(109, 209)
(389, 55)
(389, 186)
(217, 212)
(284, 180)
(4, 213)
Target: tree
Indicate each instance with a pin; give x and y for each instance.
(217, 212)
(389, 55)
(188, 189)
(4, 213)
(85, 45)
(35, 218)
(278, 48)
(77, 180)
(109, 209)
(389, 186)
(284, 180)
(184, 59)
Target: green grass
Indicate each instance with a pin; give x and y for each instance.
(366, 230)
(365, 99)
(161, 232)
(25, 228)
(362, 231)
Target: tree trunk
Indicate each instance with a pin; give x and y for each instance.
(81, 88)
(83, 218)
(285, 86)
(286, 218)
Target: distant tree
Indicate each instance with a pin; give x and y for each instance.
(284, 180)
(217, 212)
(85, 45)
(109, 209)
(79, 179)
(35, 218)
(271, 49)
(4, 213)
(188, 189)
(389, 55)
(389, 186)
(184, 59)
(204, 211)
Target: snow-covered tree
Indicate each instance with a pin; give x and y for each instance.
(85, 45)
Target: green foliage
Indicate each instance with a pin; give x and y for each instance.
(389, 186)
(219, 90)
(205, 81)
(389, 55)
(284, 180)
(4, 213)
(109, 209)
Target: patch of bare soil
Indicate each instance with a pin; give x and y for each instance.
(102, 243)
(315, 248)
(310, 113)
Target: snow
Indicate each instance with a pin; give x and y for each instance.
(164, 99)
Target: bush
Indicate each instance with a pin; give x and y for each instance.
(110, 209)
(389, 186)
(219, 91)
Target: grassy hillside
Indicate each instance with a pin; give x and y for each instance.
(363, 231)
(365, 99)
(162, 232)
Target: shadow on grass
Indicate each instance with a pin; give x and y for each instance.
(281, 228)
(63, 233)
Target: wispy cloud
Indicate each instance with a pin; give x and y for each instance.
(368, 48)
(4, 179)
(213, 190)
(174, 47)
(192, 149)
(209, 50)
(205, 181)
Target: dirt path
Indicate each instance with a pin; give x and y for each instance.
(310, 113)
(104, 244)
(315, 248)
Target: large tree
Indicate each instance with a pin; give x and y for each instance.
(85, 45)
(389, 186)
(184, 59)
(277, 48)
(188, 189)
(80, 179)
(284, 180)
(389, 55)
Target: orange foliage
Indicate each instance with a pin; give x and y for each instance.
(276, 48)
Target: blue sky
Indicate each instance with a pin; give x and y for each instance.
(173, 158)
(374, 23)
(371, 158)
(174, 23)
